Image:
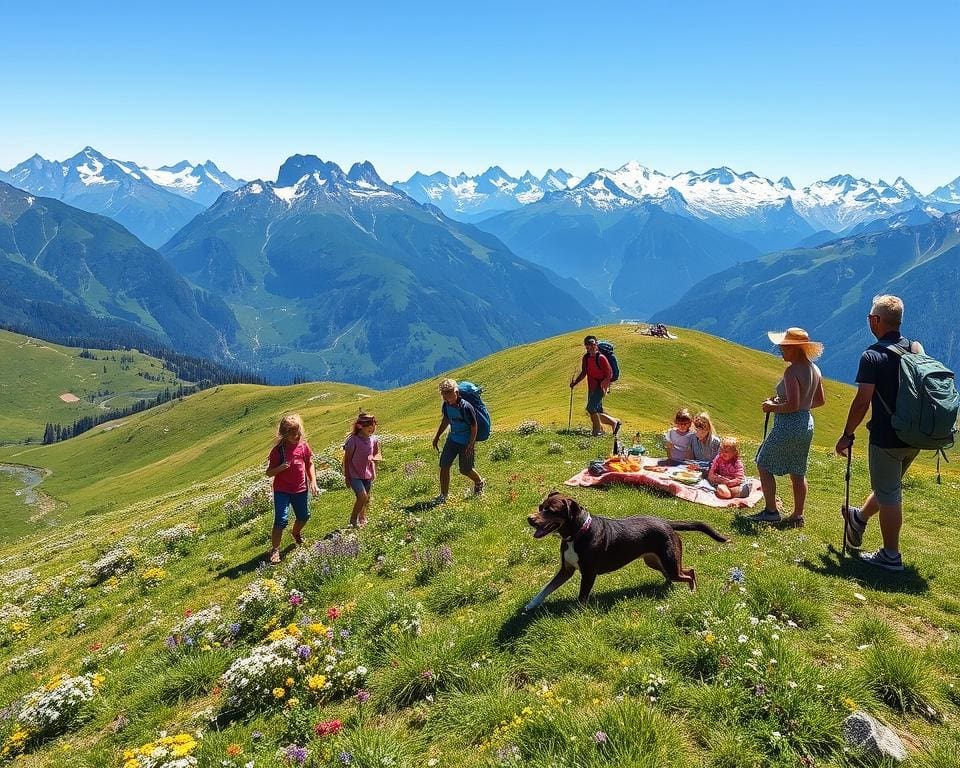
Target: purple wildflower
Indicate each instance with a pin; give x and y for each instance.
(737, 576)
(346, 757)
(235, 628)
(344, 633)
(295, 754)
(304, 652)
(363, 696)
(600, 737)
(170, 642)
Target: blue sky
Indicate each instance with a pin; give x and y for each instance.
(805, 90)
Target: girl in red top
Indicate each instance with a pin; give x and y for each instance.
(291, 466)
(726, 471)
(361, 453)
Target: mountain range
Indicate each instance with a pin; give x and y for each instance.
(827, 290)
(66, 273)
(152, 203)
(474, 198)
(341, 276)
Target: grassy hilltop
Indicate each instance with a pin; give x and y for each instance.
(35, 373)
(141, 583)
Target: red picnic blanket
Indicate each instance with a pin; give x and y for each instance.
(701, 493)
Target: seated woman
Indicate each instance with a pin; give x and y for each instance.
(726, 471)
(706, 444)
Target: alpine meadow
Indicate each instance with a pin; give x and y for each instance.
(498, 386)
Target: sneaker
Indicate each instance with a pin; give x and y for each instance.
(853, 530)
(616, 427)
(478, 488)
(441, 499)
(275, 557)
(883, 559)
(766, 516)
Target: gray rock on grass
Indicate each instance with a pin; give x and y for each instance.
(869, 734)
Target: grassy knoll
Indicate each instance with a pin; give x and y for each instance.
(35, 373)
(758, 668)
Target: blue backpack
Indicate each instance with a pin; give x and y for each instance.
(606, 347)
(471, 393)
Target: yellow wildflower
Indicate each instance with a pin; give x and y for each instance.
(279, 693)
(316, 682)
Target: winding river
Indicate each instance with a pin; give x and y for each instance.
(29, 476)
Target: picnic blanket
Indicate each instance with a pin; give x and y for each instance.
(700, 493)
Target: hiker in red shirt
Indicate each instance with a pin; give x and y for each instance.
(598, 372)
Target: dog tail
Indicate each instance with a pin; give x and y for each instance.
(696, 525)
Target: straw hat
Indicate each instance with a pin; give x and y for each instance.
(797, 337)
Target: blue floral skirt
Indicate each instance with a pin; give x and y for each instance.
(787, 447)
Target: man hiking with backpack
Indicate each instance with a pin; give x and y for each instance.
(599, 372)
(897, 382)
(461, 416)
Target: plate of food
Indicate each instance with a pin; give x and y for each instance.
(686, 476)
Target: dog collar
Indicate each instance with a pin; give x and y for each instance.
(583, 529)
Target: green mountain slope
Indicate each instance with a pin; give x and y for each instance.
(35, 373)
(65, 272)
(149, 584)
(828, 291)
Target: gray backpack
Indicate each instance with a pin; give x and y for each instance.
(925, 414)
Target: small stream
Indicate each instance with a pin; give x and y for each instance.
(30, 478)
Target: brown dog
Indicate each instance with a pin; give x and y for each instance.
(596, 545)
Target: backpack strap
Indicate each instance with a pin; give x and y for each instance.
(899, 351)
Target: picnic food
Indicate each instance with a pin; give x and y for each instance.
(685, 476)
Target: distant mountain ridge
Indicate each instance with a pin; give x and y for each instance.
(342, 276)
(120, 190)
(471, 198)
(828, 289)
(202, 183)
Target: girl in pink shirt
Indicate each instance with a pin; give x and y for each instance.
(726, 471)
(361, 452)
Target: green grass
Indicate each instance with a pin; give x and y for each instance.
(35, 373)
(455, 673)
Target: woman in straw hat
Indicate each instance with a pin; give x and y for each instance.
(786, 448)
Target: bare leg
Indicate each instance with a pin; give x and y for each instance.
(799, 496)
(595, 420)
(472, 474)
(297, 528)
(891, 519)
(276, 536)
(769, 485)
(358, 506)
(606, 418)
(723, 492)
(444, 480)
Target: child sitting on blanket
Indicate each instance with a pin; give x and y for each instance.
(726, 471)
(679, 439)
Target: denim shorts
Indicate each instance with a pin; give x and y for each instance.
(451, 451)
(595, 401)
(887, 467)
(358, 484)
(282, 500)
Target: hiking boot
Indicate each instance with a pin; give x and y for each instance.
(441, 499)
(883, 559)
(766, 516)
(854, 528)
(478, 488)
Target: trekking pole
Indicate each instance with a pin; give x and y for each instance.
(570, 414)
(766, 424)
(846, 501)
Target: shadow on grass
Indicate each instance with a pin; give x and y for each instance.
(831, 563)
(514, 627)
